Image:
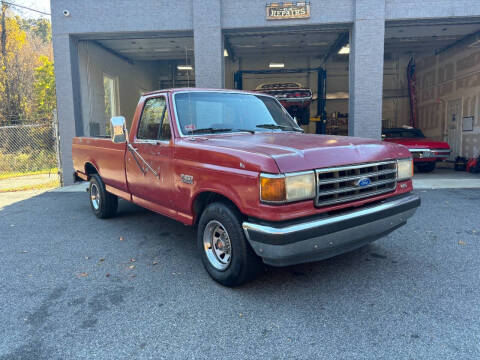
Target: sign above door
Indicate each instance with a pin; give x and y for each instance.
(288, 10)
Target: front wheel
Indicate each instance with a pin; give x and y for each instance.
(226, 253)
(103, 204)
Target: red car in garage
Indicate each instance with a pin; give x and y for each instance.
(425, 152)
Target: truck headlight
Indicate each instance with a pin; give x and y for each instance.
(404, 169)
(287, 187)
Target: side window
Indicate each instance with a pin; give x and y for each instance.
(154, 123)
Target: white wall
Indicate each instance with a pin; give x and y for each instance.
(94, 61)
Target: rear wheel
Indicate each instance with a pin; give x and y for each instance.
(103, 204)
(226, 253)
(426, 167)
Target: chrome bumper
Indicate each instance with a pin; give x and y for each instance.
(318, 239)
(429, 153)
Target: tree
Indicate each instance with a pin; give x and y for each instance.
(26, 68)
(45, 101)
(40, 28)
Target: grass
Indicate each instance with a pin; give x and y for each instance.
(43, 186)
(27, 173)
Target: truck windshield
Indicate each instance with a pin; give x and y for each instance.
(216, 112)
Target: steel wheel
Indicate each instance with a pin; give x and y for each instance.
(217, 245)
(95, 196)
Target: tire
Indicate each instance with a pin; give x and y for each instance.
(103, 204)
(426, 167)
(220, 231)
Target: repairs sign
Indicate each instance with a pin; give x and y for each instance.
(288, 10)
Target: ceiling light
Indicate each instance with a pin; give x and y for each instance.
(276, 65)
(184, 67)
(344, 50)
(279, 45)
(225, 52)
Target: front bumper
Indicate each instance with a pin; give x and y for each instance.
(328, 236)
(426, 155)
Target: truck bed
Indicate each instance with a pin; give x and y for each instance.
(106, 157)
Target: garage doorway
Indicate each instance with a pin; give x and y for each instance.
(116, 69)
(300, 59)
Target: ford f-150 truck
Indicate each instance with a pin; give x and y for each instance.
(237, 167)
(425, 152)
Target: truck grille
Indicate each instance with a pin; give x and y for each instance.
(354, 182)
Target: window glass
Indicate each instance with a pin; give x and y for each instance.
(109, 86)
(154, 123)
(207, 111)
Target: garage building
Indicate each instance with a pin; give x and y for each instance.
(353, 56)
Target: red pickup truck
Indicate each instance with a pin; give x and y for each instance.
(237, 167)
(425, 152)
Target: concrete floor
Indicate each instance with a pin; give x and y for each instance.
(133, 287)
(445, 178)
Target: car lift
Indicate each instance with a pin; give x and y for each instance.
(321, 83)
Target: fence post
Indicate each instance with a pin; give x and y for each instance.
(57, 146)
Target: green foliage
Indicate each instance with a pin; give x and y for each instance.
(40, 28)
(27, 160)
(44, 86)
(27, 83)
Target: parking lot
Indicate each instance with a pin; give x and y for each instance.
(75, 286)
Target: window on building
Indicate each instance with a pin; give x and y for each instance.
(154, 123)
(111, 102)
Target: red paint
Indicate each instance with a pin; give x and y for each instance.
(227, 164)
(421, 143)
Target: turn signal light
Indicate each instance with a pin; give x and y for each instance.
(273, 189)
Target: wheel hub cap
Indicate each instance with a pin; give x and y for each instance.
(217, 245)
(95, 196)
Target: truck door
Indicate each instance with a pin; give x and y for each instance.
(148, 161)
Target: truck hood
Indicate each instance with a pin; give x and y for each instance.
(417, 143)
(298, 152)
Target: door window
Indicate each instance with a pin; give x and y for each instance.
(154, 123)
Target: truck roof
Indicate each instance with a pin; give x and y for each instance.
(189, 89)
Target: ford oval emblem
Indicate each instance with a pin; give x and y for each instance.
(363, 182)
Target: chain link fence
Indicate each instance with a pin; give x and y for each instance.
(28, 155)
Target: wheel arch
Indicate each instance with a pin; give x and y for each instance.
(90, 169)
(205, 198)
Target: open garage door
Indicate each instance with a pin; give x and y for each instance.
(446, 55)
(295, 60)
(116, 69)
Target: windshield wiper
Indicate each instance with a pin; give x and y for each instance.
(280, 127)
(211, 130)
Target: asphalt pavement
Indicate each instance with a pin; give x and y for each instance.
(133, 287)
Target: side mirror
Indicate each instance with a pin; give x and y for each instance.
(118, 129)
